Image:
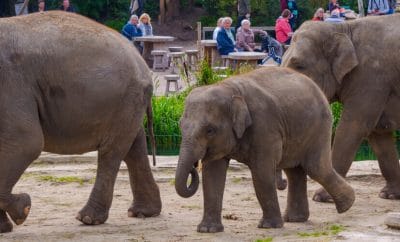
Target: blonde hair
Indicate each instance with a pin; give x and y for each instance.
(319, 10)
(145, 15)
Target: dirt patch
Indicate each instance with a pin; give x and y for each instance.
(56, 200)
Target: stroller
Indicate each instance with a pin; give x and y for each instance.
(273, 48)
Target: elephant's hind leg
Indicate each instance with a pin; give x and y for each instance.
(146, 195)
(385, 149)
(297, 203)
(5, 223)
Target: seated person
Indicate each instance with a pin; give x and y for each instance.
(392, 6)
(333, 5)
(245, 36)
(145, 25)
(378, 7)
(218, 28)
(66, 6)
(41, 6)
(319, 15)
(335, 17)
(132, 30)
(283, 29)
(225, 39)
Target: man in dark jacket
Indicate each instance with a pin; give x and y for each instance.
(132, 30)
(66, 6)
(243, 11)
(225, 38)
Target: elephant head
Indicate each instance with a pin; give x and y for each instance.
(213, 121)
(323, 52)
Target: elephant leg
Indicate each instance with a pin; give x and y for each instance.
(348, 137)
(384, 148)
(214, 176)
(20, 143)
(297, 203)
(146, 195)
(96, 209)
(319, 168)
(263, 175)
(5, 223)
(281, 183)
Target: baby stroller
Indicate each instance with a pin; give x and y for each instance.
(273, 48)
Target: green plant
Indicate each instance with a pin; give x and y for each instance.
(269, 239)
(64, 179)
(329, 231)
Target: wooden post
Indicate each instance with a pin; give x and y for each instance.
(361, 8)
(161, 19)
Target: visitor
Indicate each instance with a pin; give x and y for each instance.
(132, 30)
(319, 15)
(292, 6)
(218, 28)
(283, 5)
(283, 29)
(137, 7)
(225, 39)
(378, 7)
(392, 6)
(145, 25)
(66, 6)
(41, 6)
(335, 17)
(333, 4)
(245, 37)
(243, 11)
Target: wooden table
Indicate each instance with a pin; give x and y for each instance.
(210, 50)
(247, 57)
(152, 42)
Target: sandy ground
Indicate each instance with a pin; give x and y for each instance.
(54, 205)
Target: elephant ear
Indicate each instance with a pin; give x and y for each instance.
(344, 56)
(240, 116)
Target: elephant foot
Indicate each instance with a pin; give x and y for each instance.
(142, 210)
(322, 196)
(390, 192)
(19, 208)
(215, 227)
(5, 224)
(266, 223)
(281, 184)
(92, 216)
(296, 217)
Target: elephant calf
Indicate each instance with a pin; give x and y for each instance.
(69, 85)
(269, 118)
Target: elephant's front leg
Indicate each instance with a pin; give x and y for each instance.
(214, 176)
(97, 208)
(385, 149)
(264, 183)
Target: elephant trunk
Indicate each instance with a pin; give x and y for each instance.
(186, 165)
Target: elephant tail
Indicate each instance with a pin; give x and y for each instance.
(149, 113)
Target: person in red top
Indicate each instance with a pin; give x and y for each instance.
(318, 15)
(282, 28)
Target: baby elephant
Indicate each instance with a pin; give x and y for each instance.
(269, 118)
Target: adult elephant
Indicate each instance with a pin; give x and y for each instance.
(357, 64)
(69, 85)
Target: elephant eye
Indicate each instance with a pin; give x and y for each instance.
(211, 131)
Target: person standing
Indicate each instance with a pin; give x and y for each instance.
(66, 6)
(243, 11)
(392, 6)
(41, 6)
(378, 7)
(137, 7)
(283, 5)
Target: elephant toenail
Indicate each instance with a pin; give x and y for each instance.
(87, 220)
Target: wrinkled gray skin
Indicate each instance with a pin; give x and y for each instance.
(269, 118)
(357, 64)
(69, 85)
